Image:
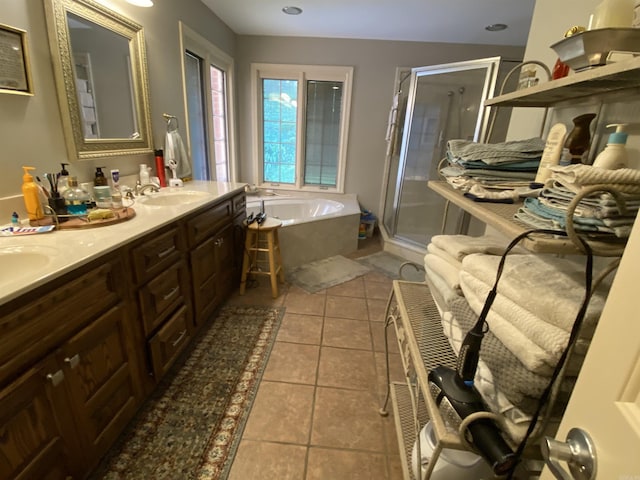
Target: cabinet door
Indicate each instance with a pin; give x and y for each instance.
(212, 268)
(35, 430)
(226, 261)
(205, 286)
(101, 374)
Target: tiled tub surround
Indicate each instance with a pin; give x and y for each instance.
(73, 248)
(314, 226)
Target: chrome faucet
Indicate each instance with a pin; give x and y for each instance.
(141, 189)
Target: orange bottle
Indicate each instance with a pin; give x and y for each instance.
(30, 192)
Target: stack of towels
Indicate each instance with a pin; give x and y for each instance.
(492, 171)
(529, 322)
(598, 214)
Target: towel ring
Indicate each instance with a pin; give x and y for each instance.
(169, 118)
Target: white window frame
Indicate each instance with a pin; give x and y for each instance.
(301, 73)
(212, 55)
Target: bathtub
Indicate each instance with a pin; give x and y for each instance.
(313, 227)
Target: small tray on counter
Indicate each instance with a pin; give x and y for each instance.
(81, 221)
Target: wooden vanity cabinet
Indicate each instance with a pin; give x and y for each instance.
(161, 277)
(213, 255)
(69, 374)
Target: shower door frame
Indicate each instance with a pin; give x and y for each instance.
(492, 65)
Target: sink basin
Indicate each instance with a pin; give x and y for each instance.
(20, 261)
(167, 199)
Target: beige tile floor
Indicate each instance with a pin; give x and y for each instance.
(315, 416)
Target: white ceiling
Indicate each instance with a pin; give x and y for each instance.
(457, 21)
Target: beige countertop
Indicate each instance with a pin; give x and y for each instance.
(53, 254)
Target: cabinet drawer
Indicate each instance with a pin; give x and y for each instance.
(152, 256)
(206, 223)
(171, 339)
(162, 295)
(239, 204)
(27, 333)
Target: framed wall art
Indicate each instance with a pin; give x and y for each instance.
(15, 73)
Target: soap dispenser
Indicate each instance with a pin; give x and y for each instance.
(100, 180)
(614, 155)
(30, 192)
(63, 179)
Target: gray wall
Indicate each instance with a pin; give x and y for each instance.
(374, 65)
(31, 131)
(30, 127)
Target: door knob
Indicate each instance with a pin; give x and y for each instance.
(578, 452)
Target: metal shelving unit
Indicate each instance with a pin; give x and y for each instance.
(500, 217)
(423, 346)
(611, 80)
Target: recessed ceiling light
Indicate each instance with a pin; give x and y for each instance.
(290, 10)
(496, 27)
(141, 3)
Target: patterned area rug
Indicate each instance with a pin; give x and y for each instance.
(191, 425)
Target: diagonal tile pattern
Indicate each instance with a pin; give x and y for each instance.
(315, 416)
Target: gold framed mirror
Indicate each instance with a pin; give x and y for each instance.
(100, 70)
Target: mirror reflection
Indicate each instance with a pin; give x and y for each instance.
(103, 80)
(101, 77)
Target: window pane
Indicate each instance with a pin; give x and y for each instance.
(219, 121)
(324, 109)
(196, 115)
(279, 123)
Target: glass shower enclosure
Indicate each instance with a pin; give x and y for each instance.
(440, 103)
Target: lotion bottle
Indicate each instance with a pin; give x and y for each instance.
(552, 151)
(31, 194)
(614, 155)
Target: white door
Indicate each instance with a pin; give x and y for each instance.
(606, 399)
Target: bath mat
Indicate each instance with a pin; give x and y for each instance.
(325, 273)
(389, 265)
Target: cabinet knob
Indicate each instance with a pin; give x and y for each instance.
(219, 242)
(73, 361)
(56, 378)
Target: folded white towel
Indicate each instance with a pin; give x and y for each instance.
(459, 246)
(550, 338)
(549, 287)
(444, 269)
(439, 252)
(443, 294)
(524, 349)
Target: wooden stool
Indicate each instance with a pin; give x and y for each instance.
(257, 236)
